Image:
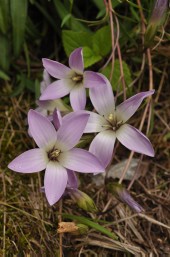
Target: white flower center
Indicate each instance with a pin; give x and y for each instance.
(114, 122)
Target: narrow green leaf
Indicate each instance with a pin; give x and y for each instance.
(71, 23)
(4, 76)
(4, 52)
(66, 18)
(91, 224)
(4, 16)
(18, 10)
(72, 40)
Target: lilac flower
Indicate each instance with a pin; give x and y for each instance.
(46, 107)
(71, 80)
(111, 124)
(56, 153)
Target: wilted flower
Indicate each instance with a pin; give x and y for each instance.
(157, 19)
(120, 192)
(111, 124)
(56, 153)
(72, 227)
(84, 201)
(71, 80)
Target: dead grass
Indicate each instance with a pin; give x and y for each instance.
(28, 224)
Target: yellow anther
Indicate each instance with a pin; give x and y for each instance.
(111, 117)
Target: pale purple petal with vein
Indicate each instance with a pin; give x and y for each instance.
(55, 182)
(134, 140)
(126, 109)
(56, 69)
(102, 99)
(57, 89)
(72, 179)
(71, 131)
(57, 119)
(96, 123)
(78, 98)
(76, 60)
(41, 130)
(30, 161)
(80, 160)
(93, 79)
(102, 146)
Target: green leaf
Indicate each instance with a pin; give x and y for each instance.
(72, 40)
(4, 76)
(4, 52)
(18, 15)
(66, 18)
(91, 224)
(90, 57)
(4, 16)
(72, 23)
(116, 75)
(102, 41)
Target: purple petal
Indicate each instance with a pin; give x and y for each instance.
(93, 79)
(76, 60)
(46, 81)
(78, 98)
(57, 89)
(71, 131)
(57, 119)
(126, 109)
(134, 140)
(102, 146)
(72, 179)
(80, 160)
(30, 161)
(41, 130)
(96, 123)
(56, 69)
(55, 182)
(102, 99)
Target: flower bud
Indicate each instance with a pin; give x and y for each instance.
(157, 19)
(123, 195)
(83, 200)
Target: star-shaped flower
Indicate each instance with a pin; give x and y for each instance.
(110, 122)
(73, 80)
(56, 153)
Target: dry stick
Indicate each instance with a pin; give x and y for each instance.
(4, 216)
(161, 82)
(117, 36)
(150, 88)
(121, 71)
(112, 35)
(61, 234)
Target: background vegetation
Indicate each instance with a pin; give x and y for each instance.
(31, 30)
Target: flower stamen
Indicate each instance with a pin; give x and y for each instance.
(53, 154)
(77, 78)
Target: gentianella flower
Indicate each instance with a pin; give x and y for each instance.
(110, 122)
(46, 107)
(73, 80)
(56, 153)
